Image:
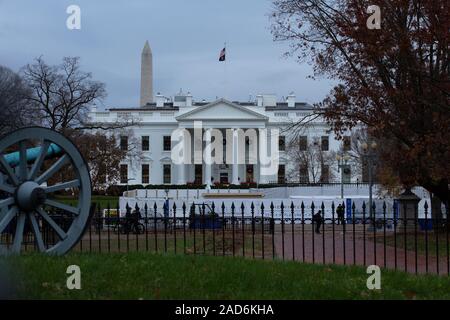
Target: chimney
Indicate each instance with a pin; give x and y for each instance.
(160, 100)
(189, 100)
(259, 100)
(291, 100)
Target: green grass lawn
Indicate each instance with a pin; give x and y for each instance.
(103, 201)
(153, 276)
(432, 243)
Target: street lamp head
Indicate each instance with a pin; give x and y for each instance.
(338, 157)
(364, 146)
(374, 145)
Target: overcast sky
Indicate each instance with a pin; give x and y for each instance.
(185, 36)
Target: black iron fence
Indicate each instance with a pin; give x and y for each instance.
(340, 235)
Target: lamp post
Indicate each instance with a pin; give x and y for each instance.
(342, 160)
(370, 155)
(128, 180)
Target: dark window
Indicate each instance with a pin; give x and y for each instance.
(145, 173)
(145, 143)
(281, 173)
(167, 173)
(124, 143)
(249, 173)
(167, 144)
(123, 173)
(198, 174)
(303, 143)
(347, 143)
(325, 143)
(325, 174)
(304, 176)
(282, 143)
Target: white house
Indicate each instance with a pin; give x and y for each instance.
(156, 120)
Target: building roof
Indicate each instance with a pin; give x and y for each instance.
(284, 106)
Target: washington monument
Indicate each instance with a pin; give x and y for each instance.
(146, 75)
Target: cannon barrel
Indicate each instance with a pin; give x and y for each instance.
(53, 150)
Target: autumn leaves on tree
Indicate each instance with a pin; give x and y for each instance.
(394, 80)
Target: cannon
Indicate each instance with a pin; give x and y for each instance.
(35, 164)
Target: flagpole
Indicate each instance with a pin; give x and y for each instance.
(225, 72)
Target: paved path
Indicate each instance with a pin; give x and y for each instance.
(349, 250)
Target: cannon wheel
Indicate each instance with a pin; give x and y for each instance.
(29, 192)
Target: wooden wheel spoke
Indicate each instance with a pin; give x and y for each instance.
(53, 169)
(6, 188)
(6, 202)
(61, 233)
(18, 237)
(62, 206)
(8, 170)
(6, 219)
(65, 185)
(39, 160)
(37, 232)
(23, 170)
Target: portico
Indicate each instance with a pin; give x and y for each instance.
(222, 144)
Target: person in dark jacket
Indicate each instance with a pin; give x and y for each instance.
(340, 214)
(318, 220)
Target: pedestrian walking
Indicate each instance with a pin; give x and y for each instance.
(318, 220)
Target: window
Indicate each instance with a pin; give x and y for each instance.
(303, 143)
(167, 173)
(123, 173)
(282, 143)
(145, 143)
(325, 174)
(124, 143)
(281, 173)
(198, 174)
(304, 176)
(325, 143)
(145, 173)
(347, 143)
(167, 144)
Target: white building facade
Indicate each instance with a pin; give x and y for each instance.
(150, 140)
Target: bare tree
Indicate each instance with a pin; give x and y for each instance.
(15, 111)
(62, 93)
(310, 161)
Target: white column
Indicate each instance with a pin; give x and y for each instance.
(207, 157)
(262, 141)
(182, 166)
(235, 179)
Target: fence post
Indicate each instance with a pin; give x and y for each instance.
(252, 209)
(243, 228)
(282, 228)
(313, 225)
(302, 207)
(146, 226)
(292, 227)
(213, 208)
(272, 228)
(223, 228)
(137, 224)
(175, 226)
(262, 227)
(364, 231)
(184, 227)
(232, 225)
(155, 212)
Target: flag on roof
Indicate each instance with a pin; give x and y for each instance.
(222, 55)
